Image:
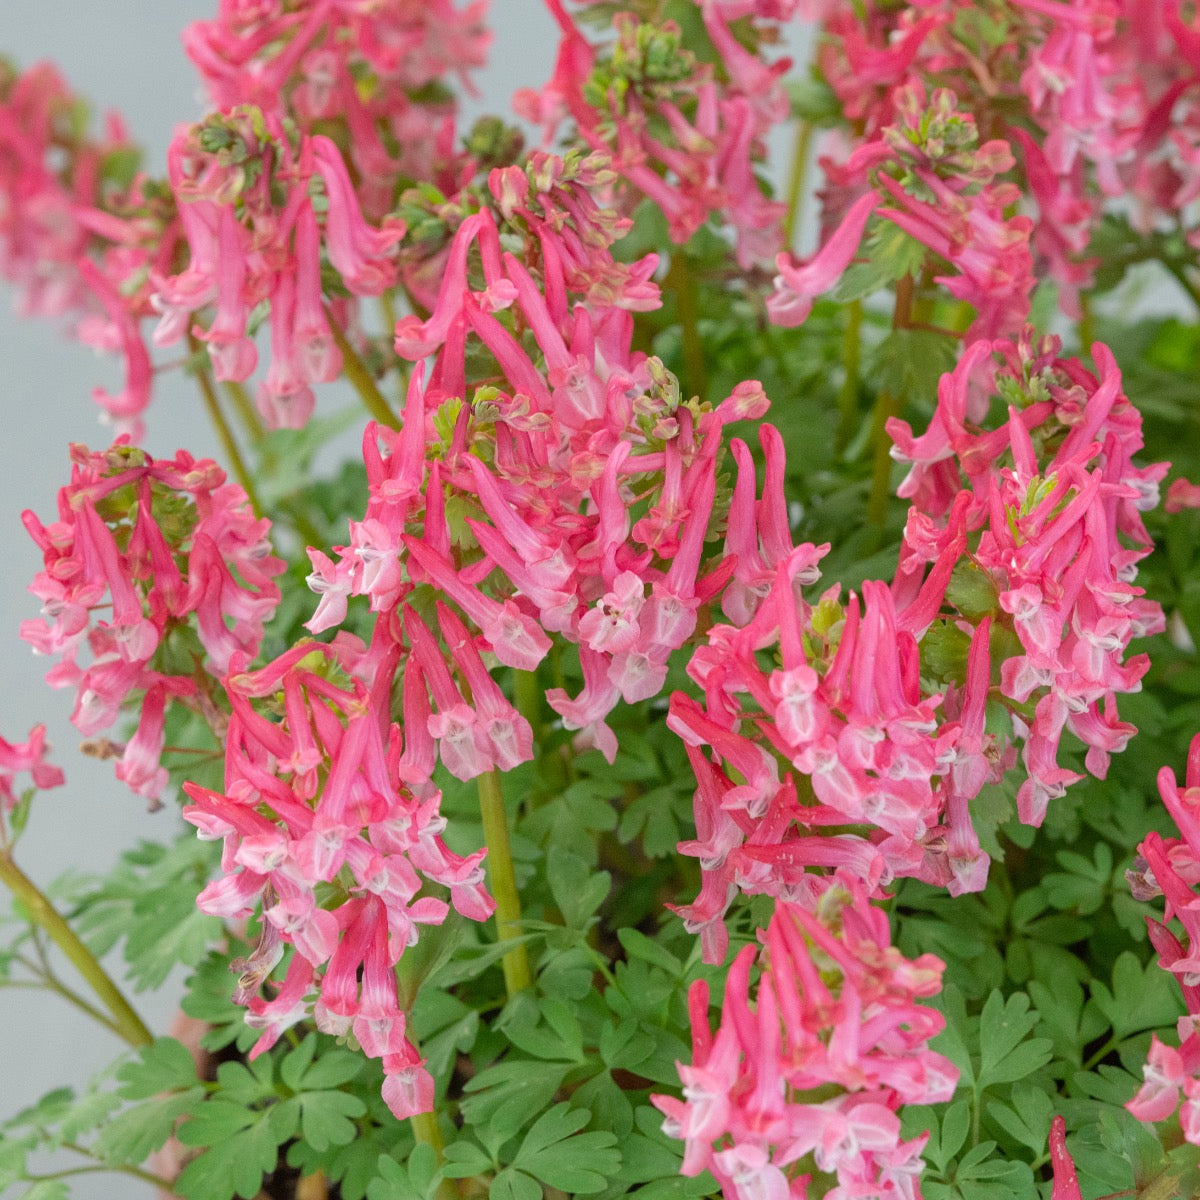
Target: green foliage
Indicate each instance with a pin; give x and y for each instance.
(148, 903)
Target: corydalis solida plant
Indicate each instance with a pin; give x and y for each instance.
(552, 528)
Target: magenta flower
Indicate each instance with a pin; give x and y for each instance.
(798, 285)
(849, 1031)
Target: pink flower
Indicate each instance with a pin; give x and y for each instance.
(204, 523)
(1164, 1072)
(1066, 1182)
(28, 756)
(1182, 494)
(797, 286)
(848, 1030)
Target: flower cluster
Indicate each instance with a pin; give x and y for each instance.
(80, 232)
(932, 188)
(683, 133)
(315, 805)
(1086, 104)
(543, 467)
(185, 570)
(369, 75)
(544, 510)
(1016, 588)
(514, 506)
(1170, 867)
(246, 192)
(811, 1077)
(1058, 501)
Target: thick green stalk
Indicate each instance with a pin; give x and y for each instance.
(362, 380)
(851, 360)
(1087, 324)
(387, 309)
(680, 282)
(517, 973)
(48, 918)
(427, 1133)
(796, 178)
(886, 407)
(224, 433)
(528, 695)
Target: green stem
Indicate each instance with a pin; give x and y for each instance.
(680, 282)
(303, 525)
(795, 185)
(224, 433)
(517, 973)
(43, 914)
(528, 696)
(387, 308)
(159, 1182)
(851, 363)
(886, 407)
(427, 1132)
(245, 409)
(1104, 1051)
(48, 983)
(364, 384)
(1087, 324)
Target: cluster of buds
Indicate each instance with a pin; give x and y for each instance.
(183, 568)
(680, 133)
(803, 1088)
(322, 830)
(939, 186)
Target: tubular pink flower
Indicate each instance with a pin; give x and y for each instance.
(233, 354)
(508, 734)
(363, 256)
(798, 285)
(515, 639)
(140, 768)
(284, 398)
(28, 756)
(125, 408)
(319, 357)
